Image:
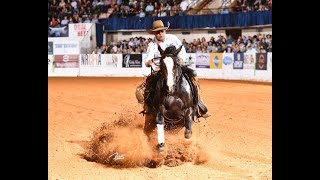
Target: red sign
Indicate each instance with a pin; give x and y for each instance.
(80, 29)
(66, 61)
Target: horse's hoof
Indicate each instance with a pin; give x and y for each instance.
(160, 147)
(187, 134)
(152, 164)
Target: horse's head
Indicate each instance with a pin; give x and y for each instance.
(169, 64)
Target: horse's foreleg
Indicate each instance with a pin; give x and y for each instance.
(160, 130)
(188, 123)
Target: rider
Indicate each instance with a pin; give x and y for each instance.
(165, 40)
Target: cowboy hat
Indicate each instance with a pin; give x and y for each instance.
(157, 26)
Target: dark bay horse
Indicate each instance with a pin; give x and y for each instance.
(174, 97)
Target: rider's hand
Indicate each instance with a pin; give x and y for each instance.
(149, 63)
(156, 61)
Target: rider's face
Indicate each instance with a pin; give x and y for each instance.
(160, 35)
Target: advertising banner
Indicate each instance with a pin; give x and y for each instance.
(66, 61)
(249, 61)
(261, 63)
(79, 30)
(58, 31)
(238, 61)
(227, 60)
(191, 60)
(202, 60)
(132, 60)
(215, 60)
(105, 60)
(69, 47)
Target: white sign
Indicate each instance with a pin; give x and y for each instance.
(79, 30)
(62, 48)
(227, 60)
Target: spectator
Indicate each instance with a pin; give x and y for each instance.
(242, 47)
(87, 20)
(156, 6)
(53, 22)
(94, 19)
(162, 12)
(114, 48)
(65, 21)
(228, 49)
(94, 3)
(119, 2)
(62, 4)
(250, 49)
(132, 43)
(210, 46)
(74, 4)
(224, 10)
(184, 6)
(229, 40)
(141, 13)
(167, 9)
(262, 49)
(204, 42)
(219, 48)
(269, 48)
(149, 9)
(137, 41)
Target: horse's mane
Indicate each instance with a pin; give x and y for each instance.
(190, 72)
(169, 51)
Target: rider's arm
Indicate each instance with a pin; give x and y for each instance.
(182, 54)
(150, 54)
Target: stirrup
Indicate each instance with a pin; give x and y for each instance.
(206, 115)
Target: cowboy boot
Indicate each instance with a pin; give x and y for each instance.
(202, 110)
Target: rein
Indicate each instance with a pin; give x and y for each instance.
(172, 121)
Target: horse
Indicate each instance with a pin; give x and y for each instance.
(174, 98)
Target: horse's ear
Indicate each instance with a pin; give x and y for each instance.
(178, 50)
(160, 50)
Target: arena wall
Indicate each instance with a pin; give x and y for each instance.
(207, 65)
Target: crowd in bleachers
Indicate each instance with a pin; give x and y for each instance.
(76, 11)
(250, 5)
(63, 12)
(259, 43)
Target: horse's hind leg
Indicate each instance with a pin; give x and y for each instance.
(188, 123)
(160, 130)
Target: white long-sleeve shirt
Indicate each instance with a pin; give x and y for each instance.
(170, 39)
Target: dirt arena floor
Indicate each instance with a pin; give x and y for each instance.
(91, 118)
